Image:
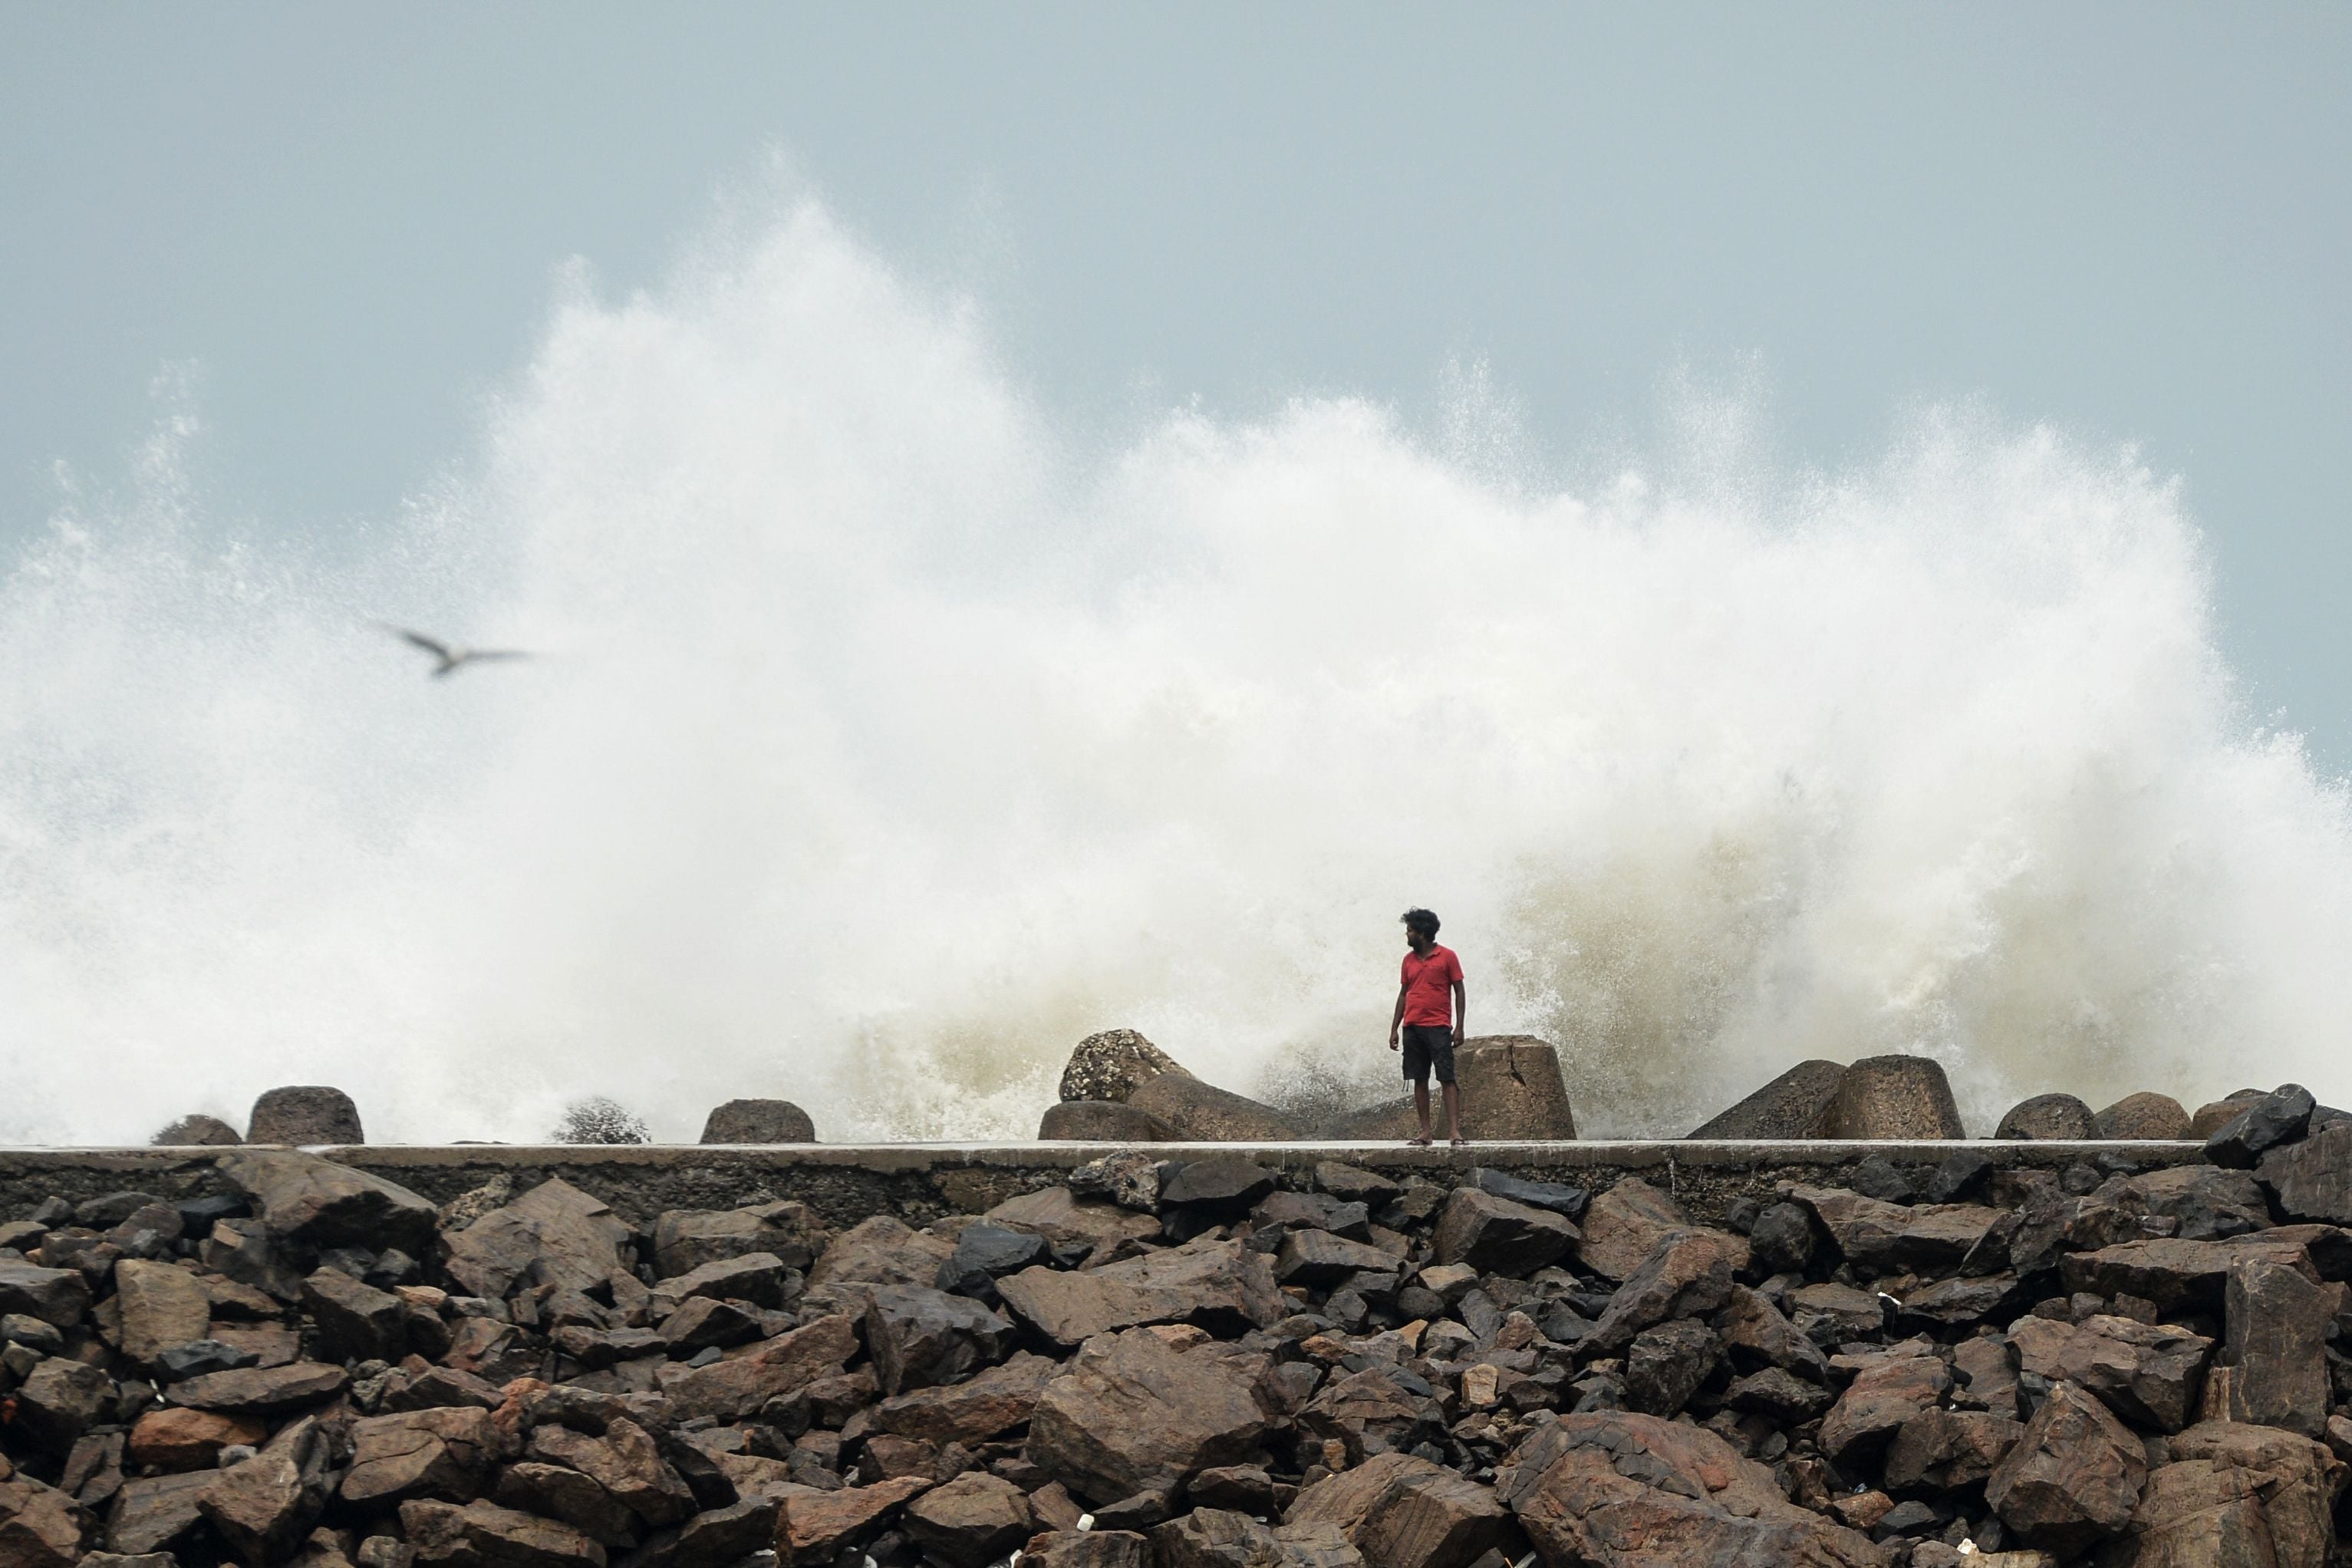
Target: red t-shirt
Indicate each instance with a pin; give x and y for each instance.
(1429, 987)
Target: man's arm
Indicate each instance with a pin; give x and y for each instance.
(1461, 1012)
(1396, 1019)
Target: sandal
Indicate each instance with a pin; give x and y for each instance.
(1416, 1143)
(1458, 1142)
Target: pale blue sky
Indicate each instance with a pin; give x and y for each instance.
(2132, 222)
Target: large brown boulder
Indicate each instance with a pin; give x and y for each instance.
(446, 1453)
(1197, 1112)
(2143, 1115)
(1225, 1538)
(1622, 1227)
(484, 1535)
(734, 1389)
(996, 1400)
(2075, 1477)
(2175, 1273)
(1510, 1091)
(2057, 1117)
(1800, 1104)
(1223, 1285)
(553, 1234)
(2149, 1375)
(313, 1202)
(40, 1527)
(1495, 1236)
(1402, 1511)
(1132, 1414)
(1115, 1063)
(1876, 1234)
(1613, 1490)
(975, 1518)
(1687, 1275)
(304, 1113)
(161, 1305)
(2235, 1486)
(689, 1239)
(1895, 1097)
(2313, 1179)
(1883, 1398)
(759, 1121)
(2278, 1328)
(1941, 1450)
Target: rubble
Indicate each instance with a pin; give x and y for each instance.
(1196, 1361)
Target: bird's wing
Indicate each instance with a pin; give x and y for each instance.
(472, 654)
(430, 645)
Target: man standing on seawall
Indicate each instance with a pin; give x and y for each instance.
(1431, 1010)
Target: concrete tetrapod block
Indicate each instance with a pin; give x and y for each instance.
(1895, 1097)
(2060, 1117)
(304, 1113)
(1112, 1064)
(1511, 1091)
(1797, 1104)
(1102, 1121)
(759, 1121)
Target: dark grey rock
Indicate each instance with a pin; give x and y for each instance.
(2280, 1117)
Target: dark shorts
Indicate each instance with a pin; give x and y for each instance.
(1428, 1047)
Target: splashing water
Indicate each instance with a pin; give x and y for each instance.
(885, 745)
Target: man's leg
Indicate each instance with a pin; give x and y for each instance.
(1421, 1105)
(1453, 1114)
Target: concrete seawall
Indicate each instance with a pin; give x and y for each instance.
(921, 1181)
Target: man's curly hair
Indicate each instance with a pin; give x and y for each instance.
(1422, 920)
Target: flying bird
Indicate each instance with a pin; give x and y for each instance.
(449, 658)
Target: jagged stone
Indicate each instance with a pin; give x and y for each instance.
(313, 1202)
(2195, 1516)
(2279, 1324)
(920, 1337)
(40, 1526)
(1617, 1490)
(1219, 1286)
(811, 1527)
(1756, 1335)
(1378, 1410)
(1877, 1404)
(151, 1513)
(310, 1113)
(625, 1461)
(559, 1491)
(263, 1390)
(1354, 1185)
(758, 1277)
(1782, 1239)
(1402, 1511)
(1940, 1451)
(446, 1452)
(2206, 1203)
(553, 1234)
(976, 1518)
(1219, 1538)
(1961, 1174)
(1069, 1223)
(1895, 1097)
(1622, 1227)
(2075, 1477)
(995, 1401)
(177, 1439)
(1665, 1366)
(161, 1305)
(1089, 1548)
(1687, 1274)
(881, 1251)
(481, 1534)
(2260, 1125)
(1883, 1236)
(2143, 1115)
(1558, 1197)
(55, 1296)
(356, 1322)
(2312, 1180)
(758, 1121)
(1496, 1236)
(685, 1240)
(1316, 1258)
(440, 1387)
(265, 1505)
(1222, 1181)
(197, 1131)
(1783, 1396)
(702, 1322)
(2147, 1374)
(982, 1253)
(1129, 1178)
(1800, 1104)
(733, 1389)
(59, 1401)
(1984, 1367)
(2191, 1274)
(2056, 1117)
(1130, 1412)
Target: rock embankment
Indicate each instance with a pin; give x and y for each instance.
(1198, 1363)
